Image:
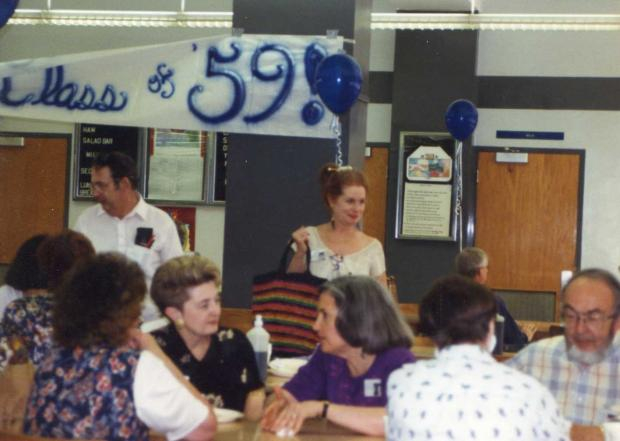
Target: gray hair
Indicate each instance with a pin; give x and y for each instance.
(367, 317)
(470, 260)
(600, 275)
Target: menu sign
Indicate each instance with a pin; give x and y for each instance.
(93, 139)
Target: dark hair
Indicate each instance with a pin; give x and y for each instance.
(333, 179)
(457, 310)
(120, 165)
(602, 276)
(24, 272)
(367, 316)
(57, 254)
(173, 278)
(469, 261)
(98, 302)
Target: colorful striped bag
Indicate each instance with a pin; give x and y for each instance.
(288, 304)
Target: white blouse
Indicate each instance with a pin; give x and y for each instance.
(464, 394)
(369, 261)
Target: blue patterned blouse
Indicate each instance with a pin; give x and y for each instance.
(85, 394)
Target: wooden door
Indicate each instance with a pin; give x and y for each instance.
(33, 189)
(527, 220)
(376, 172)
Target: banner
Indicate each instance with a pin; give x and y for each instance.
(258, 84)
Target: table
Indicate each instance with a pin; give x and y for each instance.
(313, 430)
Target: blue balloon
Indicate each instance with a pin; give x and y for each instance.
(338, 82)
(7, 7)
(461, 119)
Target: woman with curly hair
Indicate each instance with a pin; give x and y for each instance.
(104, 379)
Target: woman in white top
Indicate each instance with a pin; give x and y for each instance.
(464, 394)
(339, 247)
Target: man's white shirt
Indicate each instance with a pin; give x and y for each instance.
(109, 233)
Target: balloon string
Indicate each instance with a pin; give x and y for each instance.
(337, 129)
(458, 209)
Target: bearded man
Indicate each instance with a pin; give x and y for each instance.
(581, 368)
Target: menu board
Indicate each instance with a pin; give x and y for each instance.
(93, 139)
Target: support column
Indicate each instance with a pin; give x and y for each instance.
(272, 181)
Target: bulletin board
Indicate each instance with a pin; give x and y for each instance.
(426, 198)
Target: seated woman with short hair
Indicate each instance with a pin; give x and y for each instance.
(219, 361)
(104, 379)
(362, 339)
(464, 393)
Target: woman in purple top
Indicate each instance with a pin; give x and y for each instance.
(362, 339)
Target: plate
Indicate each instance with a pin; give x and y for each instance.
(227, 415)
(286, 367)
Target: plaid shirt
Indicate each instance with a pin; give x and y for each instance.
(584, 393)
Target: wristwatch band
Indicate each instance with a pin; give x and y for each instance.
(325, 407)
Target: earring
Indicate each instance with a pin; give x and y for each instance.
(179, 323)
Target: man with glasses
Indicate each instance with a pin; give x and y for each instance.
(122, 221)
(581, 368)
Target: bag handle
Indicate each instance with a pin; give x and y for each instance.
(284, 257)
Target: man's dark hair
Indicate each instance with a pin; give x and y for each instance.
(120, 165)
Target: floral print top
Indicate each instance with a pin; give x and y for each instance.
(87, 394)
(29, 320)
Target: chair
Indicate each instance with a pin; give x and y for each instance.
(392, 287)
(15, 384)
(239, 318)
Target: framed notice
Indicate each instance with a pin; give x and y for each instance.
(93, 139)
(176, 170)
(186, 167)
(426, 186)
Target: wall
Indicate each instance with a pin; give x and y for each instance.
(568, 82)
(19, 42)
(583, 104)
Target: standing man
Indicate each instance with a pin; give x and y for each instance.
(122, 221)
(581, 368)
(473, 263)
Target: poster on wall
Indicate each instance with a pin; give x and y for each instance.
(426, 187)
(94, 139)
(176, 165)
(185, 220)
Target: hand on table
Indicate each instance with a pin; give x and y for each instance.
(286, 415)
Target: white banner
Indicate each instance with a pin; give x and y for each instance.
(250, 84)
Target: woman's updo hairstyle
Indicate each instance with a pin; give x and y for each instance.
(334, 178)
(457, 310)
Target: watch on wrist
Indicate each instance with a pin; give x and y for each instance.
(325, 408)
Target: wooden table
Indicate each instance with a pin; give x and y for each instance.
(313, 430)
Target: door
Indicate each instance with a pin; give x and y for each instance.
(527, 219)
(376, 172)
(33, 191)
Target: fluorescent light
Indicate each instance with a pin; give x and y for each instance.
(390, 21)
(77, 17)
(503, 22)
